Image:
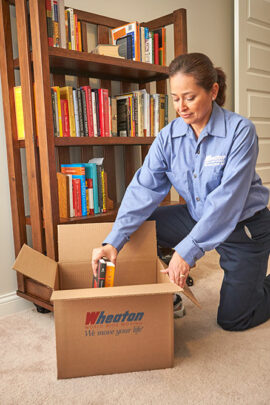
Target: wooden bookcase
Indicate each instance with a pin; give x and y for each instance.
(45, 154)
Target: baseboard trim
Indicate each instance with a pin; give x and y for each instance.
(11, 303)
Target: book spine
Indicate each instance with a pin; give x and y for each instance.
(101, 112)
(99, 280)
(105, 93)
(166, 118)
(84, 109)
(110, 273)
(63, 195)
(114, 116)
(56, 36)
(54, 114)
(80, 36)
(57, 92)
(90, 196)
(72, 29)
(80, 112)
(65, 117)
(99, 181)
(71, 202)
(156, 49)
(72, 126)
(94, 113)
(76, 32)
(88, 94)
(76, 112)
(19, 112)
(48, 6)
(97, 110)
(104, 197)
(62, 27)
(76, 191)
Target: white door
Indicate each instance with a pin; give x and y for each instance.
(252, 73)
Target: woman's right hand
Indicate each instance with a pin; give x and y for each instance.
(108, 251)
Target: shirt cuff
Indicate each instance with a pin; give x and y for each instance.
(116, 239)
(189, 250)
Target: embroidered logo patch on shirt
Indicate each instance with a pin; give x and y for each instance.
(214, 160)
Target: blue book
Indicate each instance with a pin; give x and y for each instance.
(91, 173)
(78, 172)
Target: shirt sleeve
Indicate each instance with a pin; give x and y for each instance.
(147, 189)
(224, 205)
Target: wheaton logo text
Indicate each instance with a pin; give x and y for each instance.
(99, 318)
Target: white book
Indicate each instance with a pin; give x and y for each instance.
(76, 112)
(71, 206)
(72, 29)
(62, 26)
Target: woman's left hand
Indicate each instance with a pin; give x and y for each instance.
(178, 270)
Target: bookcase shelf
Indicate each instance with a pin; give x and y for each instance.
(64, 61)
(93, 141)
(46, 66)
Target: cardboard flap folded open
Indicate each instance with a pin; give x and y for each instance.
(113, 292)
(35, 265)
(76, 241)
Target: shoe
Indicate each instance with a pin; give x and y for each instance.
(178, 307)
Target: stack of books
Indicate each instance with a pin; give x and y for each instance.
(81, 112)
(141, 114)
(63, 27)
(138, 43)
(82, 189)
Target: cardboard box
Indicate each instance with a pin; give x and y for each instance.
(128, 327)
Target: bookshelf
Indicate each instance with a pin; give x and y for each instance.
(43, 65)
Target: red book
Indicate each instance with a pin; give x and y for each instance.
(76, 190)
(104, 116)
(65, 117)
(89, 109)
(156, 49)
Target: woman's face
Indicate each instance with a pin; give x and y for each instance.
(192, 102)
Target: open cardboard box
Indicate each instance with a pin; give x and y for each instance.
(128, 327)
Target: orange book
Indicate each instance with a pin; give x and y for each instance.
(109, 277)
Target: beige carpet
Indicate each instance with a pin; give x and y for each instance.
(211, 366)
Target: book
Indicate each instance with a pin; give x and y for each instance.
(19, 112)
(62, 27)
(78, 172)
(107, 50)
(66, 93)
(80, 112)
(125, 46)
(56, 89)
(76, 112)
(132, 29)
(48, 6)
(91, 173)
(65, 117)
(71, 202)
(99, 279)
(89, 109)
(77, 197)
(63, 195)
(110, 272)
(71, 29)
(90, 196)
(103, 96)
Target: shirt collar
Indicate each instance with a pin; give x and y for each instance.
(215, 125)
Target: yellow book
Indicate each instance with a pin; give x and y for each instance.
(57, 90)
(66, 93)
(19, 112)
(109, 278)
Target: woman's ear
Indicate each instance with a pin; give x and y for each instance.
(214, 91)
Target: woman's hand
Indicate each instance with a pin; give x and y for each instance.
(108, 251)
(178, 270)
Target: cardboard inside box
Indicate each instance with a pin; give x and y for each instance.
(128, 327)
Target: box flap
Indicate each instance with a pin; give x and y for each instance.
(35, 265)
(76, 241)
(111, 292)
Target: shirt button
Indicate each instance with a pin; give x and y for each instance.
(197, 199)
(198, 152)
(195, 175)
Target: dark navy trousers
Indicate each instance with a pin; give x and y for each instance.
(245, 292)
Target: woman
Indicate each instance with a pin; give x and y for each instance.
(209, 155)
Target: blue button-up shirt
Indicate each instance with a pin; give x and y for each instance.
(215, 174)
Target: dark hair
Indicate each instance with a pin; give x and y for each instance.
(202, 69)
